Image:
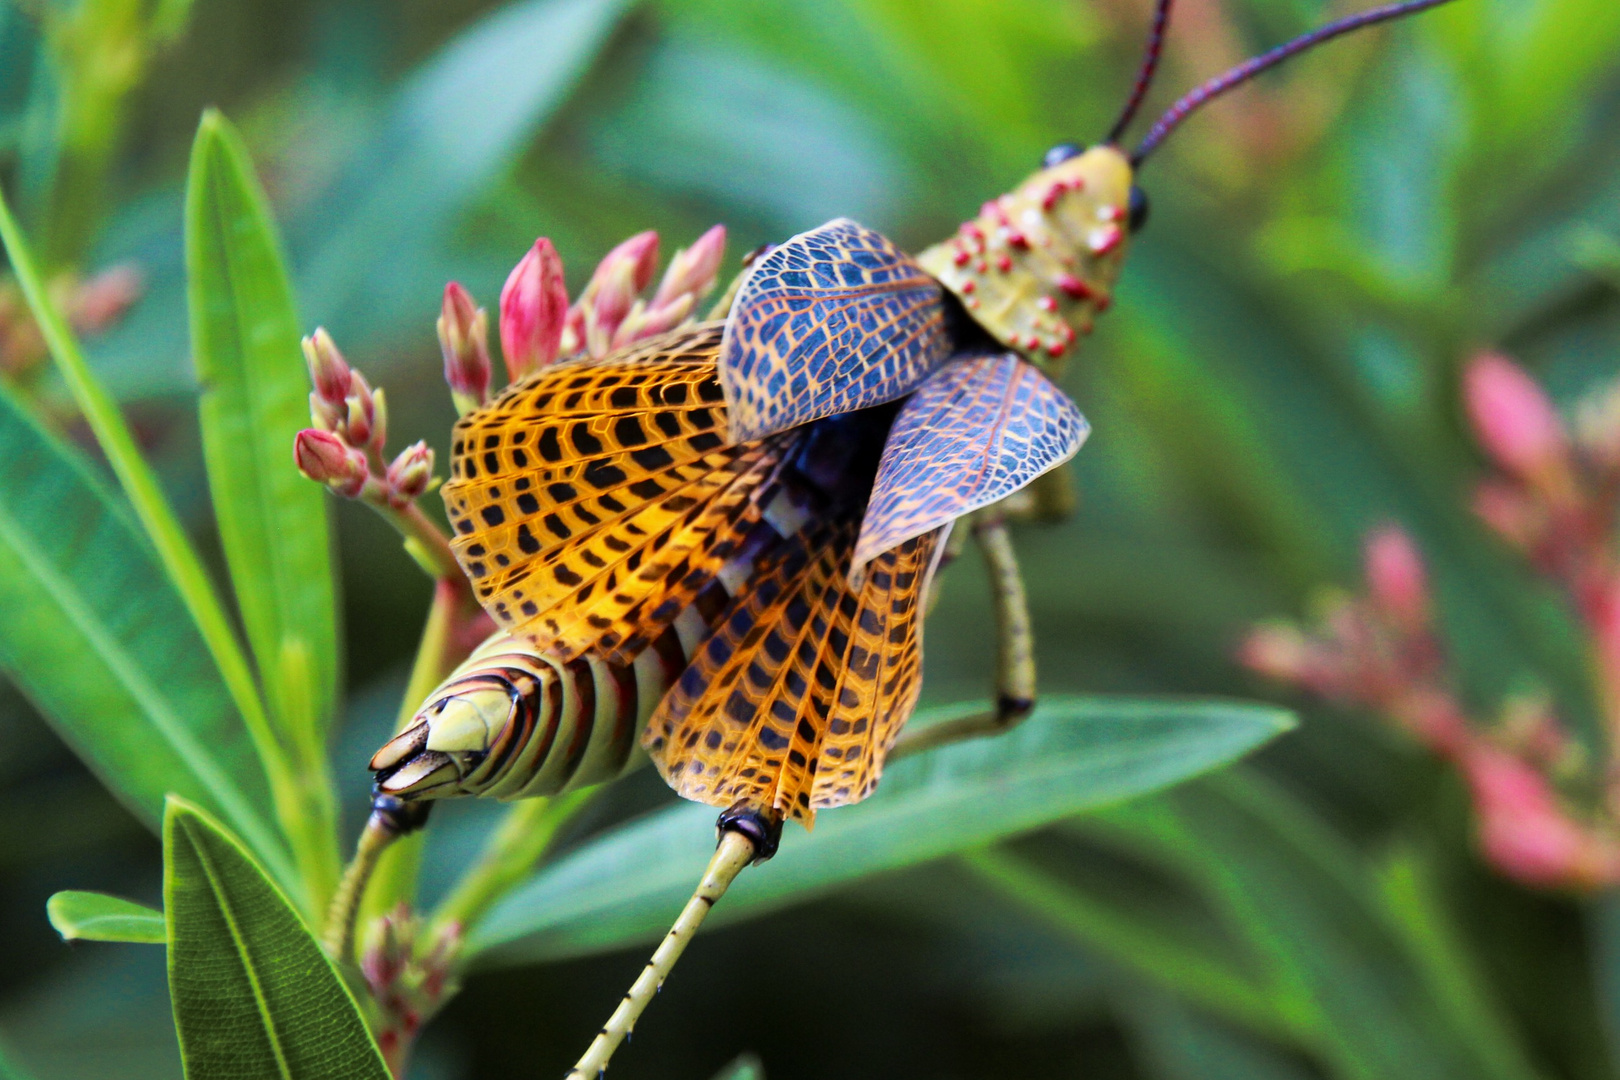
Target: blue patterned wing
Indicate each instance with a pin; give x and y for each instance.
(834, 320)
(976, 431)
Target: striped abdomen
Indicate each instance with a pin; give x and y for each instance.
(511, 723)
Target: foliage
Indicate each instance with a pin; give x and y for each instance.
(1279, 374)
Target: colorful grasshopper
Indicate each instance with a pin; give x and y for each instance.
(719, 544)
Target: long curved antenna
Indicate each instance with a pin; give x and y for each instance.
(1144, 74)
(1247, 70)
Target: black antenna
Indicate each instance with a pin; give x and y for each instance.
(1144, 74)
(1250, 68)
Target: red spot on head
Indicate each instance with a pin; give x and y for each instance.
(1055, 349)
(1017, 239)
(972, 301)
(1053, 193)
(1046, 303)
(972, 230)
(1110, 213)
(982, 267)
(1074, 287)
(961, 257)
(1105, 239)
(1004, 263)
(969, 285)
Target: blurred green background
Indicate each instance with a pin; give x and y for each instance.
(1277, 376)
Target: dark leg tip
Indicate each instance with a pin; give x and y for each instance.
(396, 815)
(1010, 710)
(761, 827)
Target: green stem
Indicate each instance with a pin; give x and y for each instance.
(157, 517)
(523, 836)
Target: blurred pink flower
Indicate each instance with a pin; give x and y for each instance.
(1515, 421)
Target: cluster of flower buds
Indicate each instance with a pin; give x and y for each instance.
(92, 307)
(344, 448)
(409, 978)
(538, 325)
(1552, 495)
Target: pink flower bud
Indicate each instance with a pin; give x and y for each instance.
(641, 253)
(327, 459)
(1597, 429)
(365, 421)
(1277, 650)
(464, 340)
(1514, 420)
(327, 369)
(410, 473)
(102, 301)
(1396, 578)
(606, 308)
(534, 308)
(644, 322)
(1510, 513)
(1525, 831)
(693, 270)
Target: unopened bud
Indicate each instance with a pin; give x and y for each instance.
(644, 322)
(1597, 428)
(327, 369)
(1526, 832)
(640, 252)
(102, 301)
(1277, 650)
(1396, 578)
(1515, 421)
(605, 309)
(1511, 514)
(327, 459)
(534, 309)
(611, 293)
(464, 340)
(693, 270)
(410, 473)
(365, 420)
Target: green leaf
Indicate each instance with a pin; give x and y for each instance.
(100, 642)
(152, 509)
(253, 994)
(272, 521)
(93, 916)
(1074, 754)
(255, 399)
(9, 1069)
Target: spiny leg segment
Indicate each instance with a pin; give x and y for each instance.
(1015, 649)
(747, 836)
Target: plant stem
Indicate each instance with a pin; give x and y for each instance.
(345, 910)
(734, 852)
(517, 844)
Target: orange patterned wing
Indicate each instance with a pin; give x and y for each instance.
(593, 501)
(977, 430)
(836, 319)
(796, 697)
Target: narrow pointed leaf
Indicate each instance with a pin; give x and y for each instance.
(244, 340)
(253, 994)
(1073, 755)
(102, 644)
(93, 916)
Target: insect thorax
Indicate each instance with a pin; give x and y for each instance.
(1037, 265)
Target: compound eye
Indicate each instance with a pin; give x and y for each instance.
(1060, 153)
(1137, 213)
